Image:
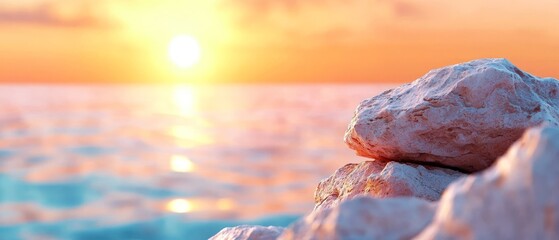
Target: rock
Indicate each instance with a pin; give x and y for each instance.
(382, 180)
(516, 199)
(462, 116)
(246, 232)
(365, 218)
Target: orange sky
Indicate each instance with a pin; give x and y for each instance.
(260, 41)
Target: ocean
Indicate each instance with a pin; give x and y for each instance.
(166, 162)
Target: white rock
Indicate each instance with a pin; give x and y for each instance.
(382, 180)
(246, 232)
(516, 199)
(364, 218)
(462, 116)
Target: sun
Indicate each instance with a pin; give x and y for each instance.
(184, 51)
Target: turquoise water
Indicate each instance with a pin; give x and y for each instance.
(166, 162)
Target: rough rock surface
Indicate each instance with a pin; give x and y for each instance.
(382, 180)
(462, 116)
(516, 199)
(246, 232)
(365, 218)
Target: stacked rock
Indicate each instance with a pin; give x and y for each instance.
(462, 116)
(515, 199)
(433, 132)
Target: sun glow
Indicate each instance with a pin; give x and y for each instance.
(184, 51)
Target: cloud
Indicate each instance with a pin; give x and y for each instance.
(404, 9)
(264, 6)
(311, 22)
(291, 21)
(74, 14)
(327, 21)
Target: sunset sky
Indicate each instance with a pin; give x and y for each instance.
(263, 41)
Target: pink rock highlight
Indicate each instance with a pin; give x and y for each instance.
(365, 218)
(516, 199)
(383, 180)
(246, 232)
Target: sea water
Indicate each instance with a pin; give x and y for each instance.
(166, 162)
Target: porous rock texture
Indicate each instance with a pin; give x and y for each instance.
(364, 218)
(516, 199)
(383, 180)
(247, 232)
(462, 116)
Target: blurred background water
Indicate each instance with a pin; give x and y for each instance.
(166, 162)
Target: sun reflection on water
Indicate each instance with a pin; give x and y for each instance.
(191, 132)
(189, 137)
(206, 206)
(185, 100)
(180, 163)
(225, 204)
(197, 153)
(179, 205)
